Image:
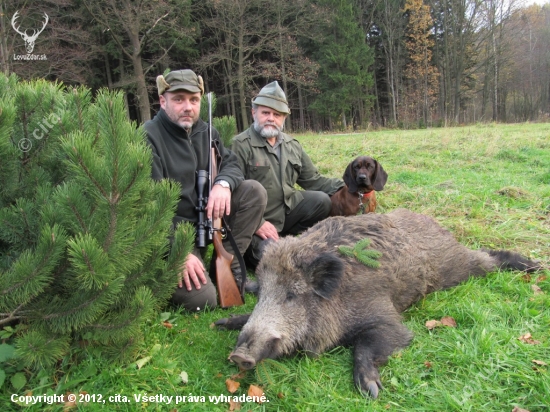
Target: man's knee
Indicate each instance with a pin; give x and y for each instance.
(196, 299)
(325, 203)
(252, 190)
(318, 200)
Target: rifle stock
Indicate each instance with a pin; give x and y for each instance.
(228, 292)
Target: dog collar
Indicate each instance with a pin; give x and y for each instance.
(365, 194)
(361, 196)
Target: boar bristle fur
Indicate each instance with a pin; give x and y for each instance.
(313, 298)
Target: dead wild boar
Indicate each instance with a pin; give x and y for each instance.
(313, 298)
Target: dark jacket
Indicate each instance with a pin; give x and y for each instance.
(178, 155)
(258, 161)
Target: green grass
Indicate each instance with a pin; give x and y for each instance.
(489, 185)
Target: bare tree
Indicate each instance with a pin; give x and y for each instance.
(4, 61)
(528, 87)
(238, 30)
(496, 16)
(52, 35)
(144, 33)
(392, 26)
(457, 51)
(288, 61)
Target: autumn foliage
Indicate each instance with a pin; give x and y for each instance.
(422, 75)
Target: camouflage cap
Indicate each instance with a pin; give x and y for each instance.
(272, 96)
(180, 80)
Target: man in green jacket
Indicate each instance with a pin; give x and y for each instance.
(180, 144)
(278, 162)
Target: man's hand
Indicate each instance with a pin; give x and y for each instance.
(219, 202)
(193, 271)
(267, 231)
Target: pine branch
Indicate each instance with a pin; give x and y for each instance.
(49, 251)
(135, 175)
(112, 226)
(137, 311)
(120, 325)
(41, 347)
(79, 218)
(89, 175)
(89, 306)
(368, 257)
(8, 317)
(166, 196)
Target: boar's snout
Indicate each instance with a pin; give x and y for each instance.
(254, 347)
(242, 359)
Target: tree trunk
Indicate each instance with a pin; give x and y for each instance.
(240, 80)
(301, 109)
(495, 73)
(4, 62)
(391, 89)
(344, 123)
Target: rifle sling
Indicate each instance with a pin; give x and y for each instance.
(238, 255)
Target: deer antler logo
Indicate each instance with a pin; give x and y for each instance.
(29, 40)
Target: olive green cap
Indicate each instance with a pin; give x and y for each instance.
(180, 80)
(272, 96)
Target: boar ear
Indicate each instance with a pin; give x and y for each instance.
(326, 272)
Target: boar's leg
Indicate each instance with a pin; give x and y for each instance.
(232, 323)
(371, 349)
(365, 373)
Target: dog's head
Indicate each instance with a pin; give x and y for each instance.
(365, 173)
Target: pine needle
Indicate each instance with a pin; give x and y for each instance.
(368, 257)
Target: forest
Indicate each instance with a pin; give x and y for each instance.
(344, 64)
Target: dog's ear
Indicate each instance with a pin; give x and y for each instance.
(349, 178)
(380, 177)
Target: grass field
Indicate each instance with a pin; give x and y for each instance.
(489, 185)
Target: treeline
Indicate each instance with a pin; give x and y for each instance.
(343, 63)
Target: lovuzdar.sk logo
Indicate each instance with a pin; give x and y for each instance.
(29, 35)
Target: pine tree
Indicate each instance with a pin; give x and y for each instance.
(344, 59)
(85, 249)
(225, 125)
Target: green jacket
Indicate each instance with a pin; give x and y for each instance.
(258, 161)
(178, 155)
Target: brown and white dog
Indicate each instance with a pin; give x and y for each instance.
(362, 177)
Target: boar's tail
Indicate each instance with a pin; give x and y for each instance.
(512, 260)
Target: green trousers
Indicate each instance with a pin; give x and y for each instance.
(248, 203)
(313, 208)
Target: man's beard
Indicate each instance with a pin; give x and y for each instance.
(187, 125)
(267, 132)
(176, 118)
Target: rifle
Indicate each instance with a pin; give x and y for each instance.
(228, 292)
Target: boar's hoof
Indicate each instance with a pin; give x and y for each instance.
(368, 385)
(244, 361)
(372, 388)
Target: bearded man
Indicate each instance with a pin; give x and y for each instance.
(276, 160)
